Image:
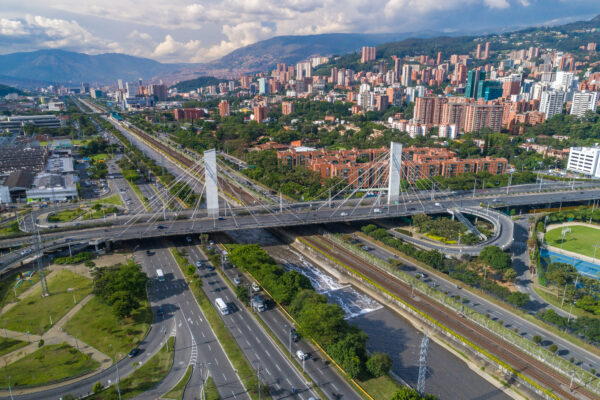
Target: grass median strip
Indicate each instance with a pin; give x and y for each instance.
(177, 392)
(9, 345)
(145, 377)
(230, 346)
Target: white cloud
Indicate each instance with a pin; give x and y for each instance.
(497, 3)
(201, 30)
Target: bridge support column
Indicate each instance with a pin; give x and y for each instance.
(394, 173)
(210, 179)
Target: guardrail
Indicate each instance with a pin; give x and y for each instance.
(540, 353)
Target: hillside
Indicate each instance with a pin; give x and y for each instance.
(70, 67)
(4, 90)
(265, 54)
(568, 38)
(192, 84)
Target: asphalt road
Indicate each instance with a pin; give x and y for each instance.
(260, 351)
(198, 344)
(526, 328)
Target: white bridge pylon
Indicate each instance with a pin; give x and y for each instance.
(394, 173)
(210, 179)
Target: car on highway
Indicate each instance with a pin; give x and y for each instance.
(294, 334)
(133, 353)
(149, 252)
(161, 227)
(438, 205)
(159, 311)
(188, 239)
(343, 214)
(377, 210)
(301, 355)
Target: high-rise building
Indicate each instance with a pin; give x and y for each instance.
(486, 52)
(159, 92)
(479, 116)
(473, 79)
(260, 113)
(584, 101)
(224, 108)
(428, 109)
(552, 102)
(510, 87)
(438, 60)
(368, 54)
(263, 86)
(132, 89)
(478, 51)
(489, 90)
(287, 107)
(303, 70)
(406, 75)
(397, 67)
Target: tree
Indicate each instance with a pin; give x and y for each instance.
(123, 303)
(495, 258)
(97, 387)
(324, 322)
(411, 394)
(537, 339)
(553, 348)
(561, 273)
(379, 364)
(518, 299)
(510, 275)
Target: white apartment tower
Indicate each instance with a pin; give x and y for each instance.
(584, 101)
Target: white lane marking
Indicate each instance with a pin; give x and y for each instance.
(267, 351)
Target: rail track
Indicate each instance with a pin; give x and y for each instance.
(544, 375)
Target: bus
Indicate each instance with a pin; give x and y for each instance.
(160, 275)
(222, 306)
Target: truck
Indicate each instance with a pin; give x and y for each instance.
(160, 275)
(258, 304)
(221, 306)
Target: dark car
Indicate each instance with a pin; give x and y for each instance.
(148, 253)
(295, 335)
(133, 353)
(161, 227)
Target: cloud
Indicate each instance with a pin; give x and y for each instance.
(201, 30)
(497, 3)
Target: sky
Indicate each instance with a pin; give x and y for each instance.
(200, 31)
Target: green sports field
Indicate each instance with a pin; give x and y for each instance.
(580, 240)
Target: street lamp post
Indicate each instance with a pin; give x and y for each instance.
(117, 365)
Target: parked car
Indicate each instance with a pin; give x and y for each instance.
(199, 264)
(188, 239)
(237, 280)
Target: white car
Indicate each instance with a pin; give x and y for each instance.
(438, 205)
(237, 280)
(377, 210)
(199, 264)
(343, 214)
(301, 355)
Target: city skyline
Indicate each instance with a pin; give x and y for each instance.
(188, 31)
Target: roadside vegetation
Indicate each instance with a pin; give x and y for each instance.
(143, 379)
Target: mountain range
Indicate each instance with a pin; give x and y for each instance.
(29, 69)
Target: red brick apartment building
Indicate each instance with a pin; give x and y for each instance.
(363, 167)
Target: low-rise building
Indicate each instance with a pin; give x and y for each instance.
(585, 161)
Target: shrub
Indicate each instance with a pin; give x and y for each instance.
(379, 364)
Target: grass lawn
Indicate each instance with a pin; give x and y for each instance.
(177, 392)
(7, 294)
(101, 156)
(382, 388)
(210, 390)
(33, 312)
(11, 228)
(115, 199)
(580, 240)
(146, 377)
(10, 345)
(66, 215)
(106, 328)
(49, 364)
